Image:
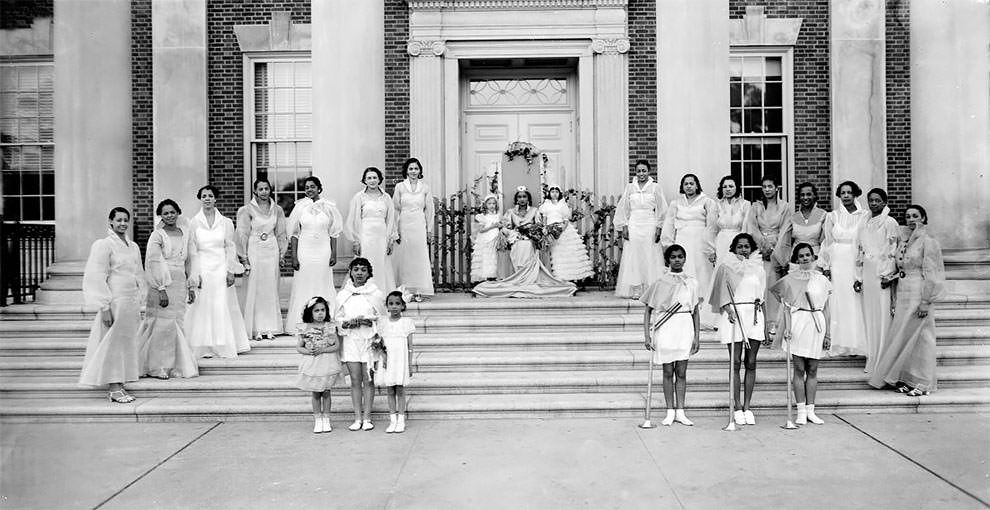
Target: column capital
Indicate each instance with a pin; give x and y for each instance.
(426, 48)
(610, 46)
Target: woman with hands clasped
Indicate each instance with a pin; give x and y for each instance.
(371, 227)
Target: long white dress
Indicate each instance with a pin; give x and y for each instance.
(113, 280)
(804, 292)
(168, 266)
(484, 257)
(766, 224)
(748, 281)
(568, 255)
(689, 224)
(731, 218)
(262, 241)
(878, 240)
(411, 255)
(214, 324)
(522, 251)
(313, 224)
(838, 254)
(641, 210)
(673, 340)
(371, 222)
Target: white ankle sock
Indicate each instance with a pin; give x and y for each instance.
(400, 425)
(681, 418)
(812, 417)
(669, 418)
(802, 414)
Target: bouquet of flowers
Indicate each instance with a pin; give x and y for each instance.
(555, 229)
(378, 351)
(315, 339)
(535, 232)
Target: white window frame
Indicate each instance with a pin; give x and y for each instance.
(249, 61)
(32, 62)
(786, 54)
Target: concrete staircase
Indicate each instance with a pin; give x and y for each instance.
(478, 357)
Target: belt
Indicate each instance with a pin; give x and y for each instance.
(263, 236)
(812, 310)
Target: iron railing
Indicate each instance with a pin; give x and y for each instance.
(26, 252)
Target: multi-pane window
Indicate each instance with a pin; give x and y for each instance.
(27, 126)
(759, 114)
(280, 127)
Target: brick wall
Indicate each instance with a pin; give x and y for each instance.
(396, 90)
(142, 157)
(642, 17)
(21, 13)
(225, 85)
(898, 106)
(812, 110)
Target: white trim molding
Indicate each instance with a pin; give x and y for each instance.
(279, 35)
(756, 29)
(433, 5)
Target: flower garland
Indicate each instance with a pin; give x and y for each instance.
(528, 151)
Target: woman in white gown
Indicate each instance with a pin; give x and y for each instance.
(876, 267)
(314, 226)
(802, 226)
(732, 217)
(261, 244)
(214, 324)
(768, 218)
(169, 268)
(639, 214)
(839, 252)
(114, 282)
(568, 255)
(523, 251)
(371, 227)
(411, 256)
(688, 222)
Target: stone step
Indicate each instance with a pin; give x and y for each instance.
(769, 407)
(484, 361)
(700, 380)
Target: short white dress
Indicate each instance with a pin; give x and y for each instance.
(805, 293)
(748, 281)
(396, 337)
(352, 303)
(320, 372)
(674, 339)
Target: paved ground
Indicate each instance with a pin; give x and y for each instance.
(854, 461)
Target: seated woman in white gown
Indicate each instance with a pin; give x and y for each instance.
(314, 226)
(214, 324)
(531, 278)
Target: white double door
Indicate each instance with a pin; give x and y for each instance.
(488, 134)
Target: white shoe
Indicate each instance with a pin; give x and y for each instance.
(326, 423)
(750, 418)
(679, 417)
(367, 425)
(802, 415)
(317, 424)
(400, 427)
(739, 417)
(391, 424)
(669, 419)
(355, 426)
(812, 417)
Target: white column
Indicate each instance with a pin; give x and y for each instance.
(950, 119)
(611, 114)
(92, 132)
(426, 110)
(348, 94)
(859, 92)
(692, 92)
(178, 60)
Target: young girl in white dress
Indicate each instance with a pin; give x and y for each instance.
(639, 214)
(214, 324)
(688, 222)
(484, 257)
(568, 255)
(314, 226)
(261, 244)
(414, 205)
(740, 324)
(360, 305)
(396, 331)
(679, 336)
(371, 227)
(803, 294)
(838, 259)
(320, 368)
(732, 217)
